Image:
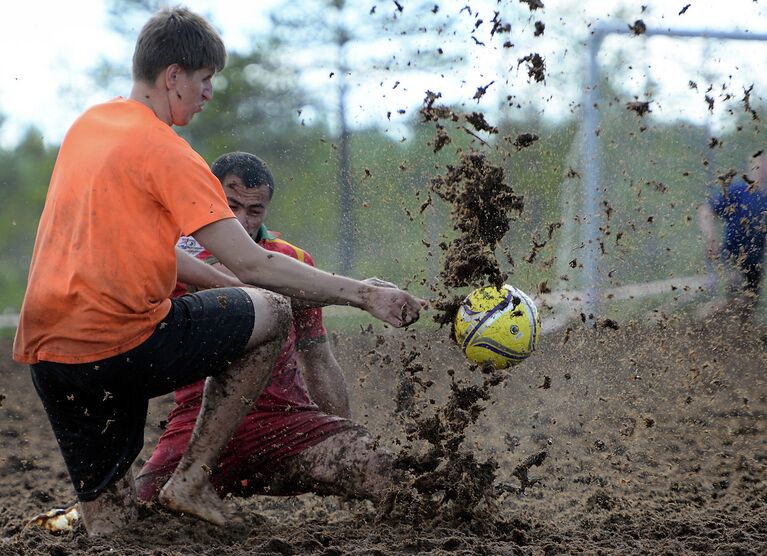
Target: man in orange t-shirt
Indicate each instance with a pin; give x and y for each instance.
(97, 326)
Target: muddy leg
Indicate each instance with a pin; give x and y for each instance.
(115, 508)
(226, 400)
(347, 464)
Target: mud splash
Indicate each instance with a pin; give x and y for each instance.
(449, 483)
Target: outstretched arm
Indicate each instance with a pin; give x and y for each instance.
(324, 378)
(706, 219)
(228, 241)
(303, 304)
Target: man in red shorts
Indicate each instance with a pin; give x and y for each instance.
(298, 436)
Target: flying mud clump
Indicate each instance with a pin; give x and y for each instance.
(536, 66)
(481, 206)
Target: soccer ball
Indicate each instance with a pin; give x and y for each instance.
(499, 326)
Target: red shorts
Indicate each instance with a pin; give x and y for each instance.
(263, 440)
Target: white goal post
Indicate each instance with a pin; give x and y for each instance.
(592, 148)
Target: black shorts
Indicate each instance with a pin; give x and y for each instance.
(98, 410)
(752, 277)
(750, 274)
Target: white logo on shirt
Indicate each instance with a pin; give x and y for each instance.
(190, 245)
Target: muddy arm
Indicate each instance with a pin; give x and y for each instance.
(228, 241)
(324, 378)
(706, 220)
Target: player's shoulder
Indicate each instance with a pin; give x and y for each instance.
(732, 193)
(137, 131)
(738, 187)
(748, 195)
(273, 242)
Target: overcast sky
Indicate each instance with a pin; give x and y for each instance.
(50, 46)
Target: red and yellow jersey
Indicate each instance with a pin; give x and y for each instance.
(286, 389)
(283, 422)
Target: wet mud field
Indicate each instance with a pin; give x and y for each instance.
(646, 439)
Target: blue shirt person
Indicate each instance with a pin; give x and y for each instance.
(742, 208)
(743, 211)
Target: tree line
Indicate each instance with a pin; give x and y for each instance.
(355, 198)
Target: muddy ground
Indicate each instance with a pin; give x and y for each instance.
(656, 440)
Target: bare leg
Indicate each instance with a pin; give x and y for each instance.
(348, 464)
(226, 400)
(113, 509)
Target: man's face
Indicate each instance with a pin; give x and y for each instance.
(187, 93)
(249, 204)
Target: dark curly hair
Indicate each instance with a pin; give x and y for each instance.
(253, 171)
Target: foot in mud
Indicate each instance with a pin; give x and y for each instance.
(194, 495)
(114, 509)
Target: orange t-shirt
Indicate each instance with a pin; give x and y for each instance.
(122, 178)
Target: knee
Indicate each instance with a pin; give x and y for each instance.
(272, 316)
(279, 311)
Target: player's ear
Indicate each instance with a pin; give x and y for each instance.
(171, 76)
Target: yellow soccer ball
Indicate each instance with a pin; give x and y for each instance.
(499, 326)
